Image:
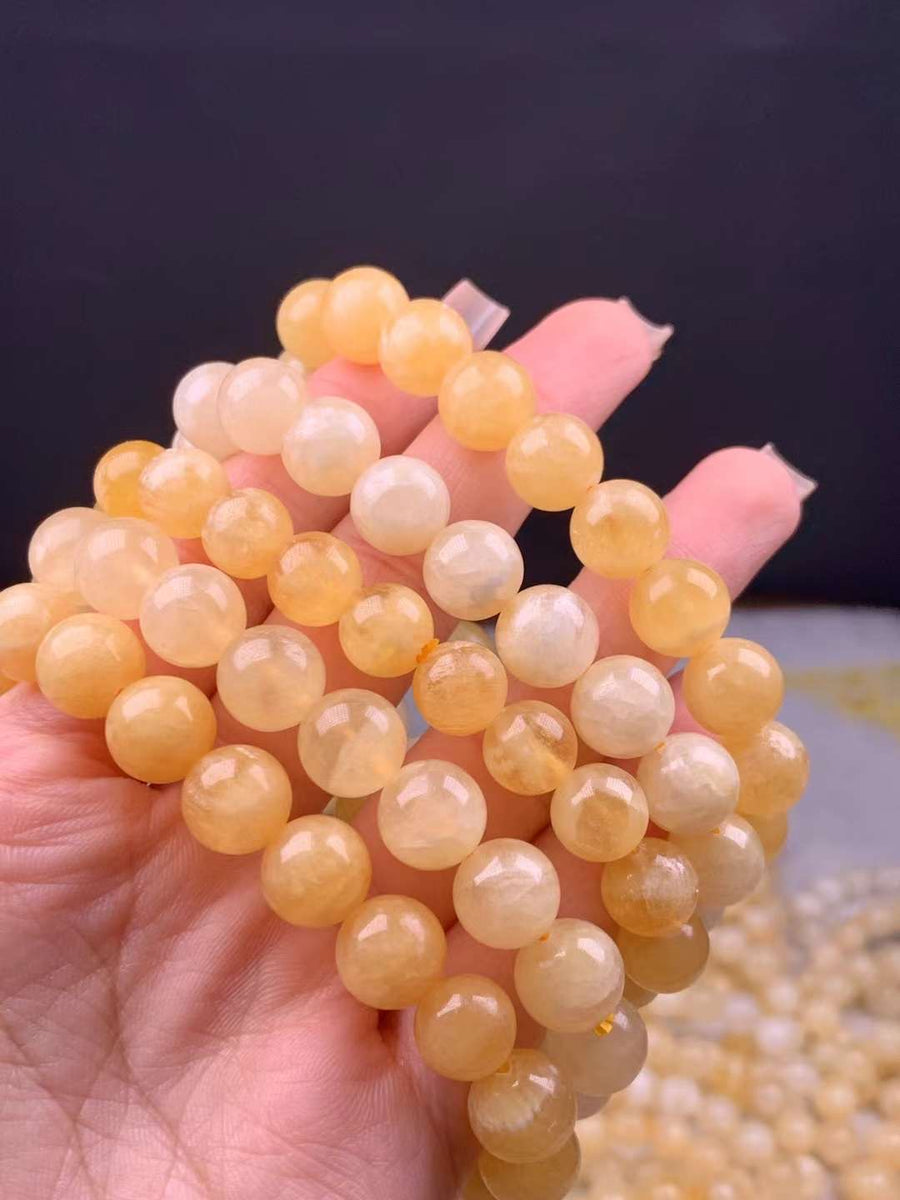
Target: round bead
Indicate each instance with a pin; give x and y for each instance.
(599, 812)
(116, 477)
(28, 611)
(604, 1059)
(669, 963)
(552, 461)
(421, 344)
(191, 614)
(772, 831)
(651, 891)
(55, 543)
(774, 768)
(85, 661)
(358, 304)
(525, 1112)
(178, 488)
(316, 871)
(330, 445)
(571, 978)
(298, 323)
(245, 532)
(236, 799)
(119, 561)
(390, 951)
(384, 630)
(622, 706)
(530, 747)
(431, 815)
(734, 687)
(691, 783)
(315, 578)
(195, 407)
(157, 728)
(636, 995)
(679, 607)
(549, 1179)
(729, 861)
(400, 504)
(485, 399)
(352, 742)
(547, 636)
(460, 688)
(506, 893)
(465, 1027)
(619, 528)
(259, 400)
(869, 1180)
(270, 677)
(472, 569)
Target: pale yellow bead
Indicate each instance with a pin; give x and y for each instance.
(525, 1111)
(549, 1179)
(599, 812)
(795, 1131)
(835, 1099)
(867, 1180)
(679, 607)
(55, 544)
(157, 728)
(245, 532)
(329, 446)
(465, 1027)
(553, 460)
(259, 400)
(28, 611)
(116, 477)
(622, 706)
(883, 1142)
(298, 323)
(771, 830)
(352, 742)
(734, 687)
(357, 306)
(460, 688)
(385, 629)
(506, 893)
(316, 871)
(400, 504)
(190, 614)
(390, 951)
(315, 579)
(571, 978)
(431, 815)
(652, 891)
(119, 561)
(530, 747)
(85, 661)
(837, 1143)
(195, 407)
(472, 569)
(619, 528)
(774, 768)
(421, 344)
(547, 636)
(236, 799)
(605, 1059)
(691, 783)
(667, 963)
(178, 488)
(729, 861)
(485, 399)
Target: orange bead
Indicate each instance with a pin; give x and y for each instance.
(465, 1027)
(236, 799)
(530, 747)
(298, 323)
(421, 344)
(774, 768)
(85, 661)
(665, 964)
(28, 611)
(116, 477)
(177, 489)
(315, 579)
(245, 533)
(679, 607)
(390, 951)
(316, 871)
(460, 688)
(734, 687)
(651, 891)
(619, 528)
(357, 306)
(485, 399)
(157, 728)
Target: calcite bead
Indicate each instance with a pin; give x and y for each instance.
(636, 995)
(547, 636)
(298, 323)
(774, 768)
(465, 1027)
(385, 629)
(390, 951)
(157, 728)
(236, 799)
(270, 676)
(651, 891)
(421, 344)
(195, 407)
(119, 561)
(622, 706)
(599, 812)
(330, 445)
(549, 1179)
(352, 742)
(474, 1187)
(665, 964)
(729, 861)
(431, 815)
(506, 893)
(771, 830)
(190, 614)
(55, 543)
(259, 400)
(28, 611)
(571, 978)
(691, 783)
(400, 504)
(553, 460)
(246, 532)
(472, 569)
(525, 1111)
(357, 306)
(604, 1059)
(85, 661)
(485, 399)
(734, 687)
(460, 688)
(178, 488)
(116, 477)
(530, 747)
(316, 871)
(315, 578)
(679, 607)
(619, 528)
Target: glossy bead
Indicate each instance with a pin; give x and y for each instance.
(460, 688)
(315, 578)
(605, 1059)
(116, 477)
(472, 569)
(195, 407)
(119, 561)
(506, 893)
(571, 977)
(330, 445)
(734, 687)
(622, 706)
(525, 1111)
(485, 399)
(619, 528)
(599, 812)
(157, 728)
(530, 747)
(400, 504)
(28, 611)
(298, 323)
(669, 963)
(421, 344)
(636, 995)
(774, 768)
(357, 306)
(190, 614)
(316, 871)
(236, 799)
(772, 831)
(55, 543)
(691, 783)
(549, 1179)
(270, 676)
(651, 891)
(178, 488)
(729, 861)
(679, 607)
(431, 815)
(547, 636)
(465, 1027)
(553, 460)
(352, 742)
(390, 951)
(85, 661)
(245, 532)
(384, 630)
(259, 400)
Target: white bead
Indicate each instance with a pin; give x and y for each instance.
(622, 706)
(195, 406)
(472, 569)
(547, 636)
(259, 400)
(400, 504)
(330, 445)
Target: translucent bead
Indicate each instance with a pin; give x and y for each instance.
(530, 747)
(421, 344)
(553, 460)
(195, 407)
(774, 768)
(571, 978)
(729, 861)
(352, 742)
(316, 871)
(605, 1059)
(679, 607)
(547, 636)
(549, 1179)
(669, 963)
(472, 569)
(178, 488)
(619, 528)
(525, 1111)
(734, 687)
(691, 783)
(390, 951)
(316, 577)
(28, 611)
(55, 544)
(85, 661)
(119, 561)
(460, 688)
(190, 614)
(485, 399)
(431, 815)
(298, 323)
(245, 532)
(599, 812)
(622, 706)
(330, 445)
(474, 1187)
(772, 831)
(259, 400)
(465, 1027)
(384, 630)
(269, 677)
(236, 799)
(636, 995)
(506, 893)
(651, 891)
(358, 304)
(116, 477)
(157, 728)
(400, 504)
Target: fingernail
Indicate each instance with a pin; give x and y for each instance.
(484, 316)
(657, 335)
(804, 484)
